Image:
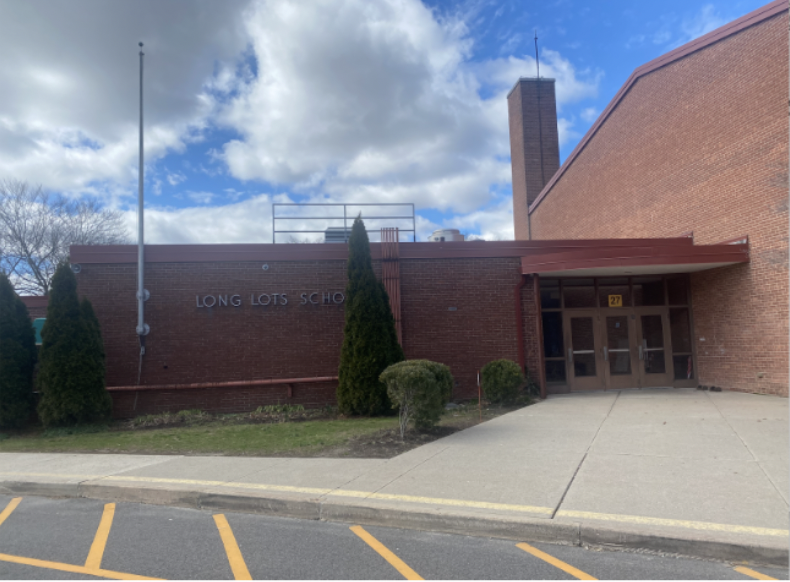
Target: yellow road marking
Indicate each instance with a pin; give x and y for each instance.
(382, 550)
(100, 541)
(72, 568)
(567, 568)
(752, 573)
(698, 525)
(9, 508)
(236, 560)
(685, 524)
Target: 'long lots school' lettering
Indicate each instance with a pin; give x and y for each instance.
(270, 299)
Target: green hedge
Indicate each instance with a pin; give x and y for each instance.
(419, 389)
(501, 381)
(71, 371)
(17, 358)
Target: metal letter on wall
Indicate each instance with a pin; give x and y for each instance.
(390, 273)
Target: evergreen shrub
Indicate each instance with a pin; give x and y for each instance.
(17, 358)
(419, 389)
(370, 342)
(501, 381)
(71, 375)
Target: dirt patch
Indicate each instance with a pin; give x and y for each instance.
(386, 444)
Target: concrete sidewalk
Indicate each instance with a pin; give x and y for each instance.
(681, 471)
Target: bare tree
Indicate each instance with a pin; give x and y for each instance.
(37, 229)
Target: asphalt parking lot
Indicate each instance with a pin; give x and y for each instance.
(68, 539)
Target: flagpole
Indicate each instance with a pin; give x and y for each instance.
(142, 327)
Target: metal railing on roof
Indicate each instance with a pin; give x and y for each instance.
(393, 220)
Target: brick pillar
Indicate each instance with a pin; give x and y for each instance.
(534, 144)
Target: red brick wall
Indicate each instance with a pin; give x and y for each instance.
(701, 145)
(36, 305)
(189, 344)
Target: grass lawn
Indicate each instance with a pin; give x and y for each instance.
(297, 433)
(293, 438)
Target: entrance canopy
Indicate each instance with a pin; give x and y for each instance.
(642, 257)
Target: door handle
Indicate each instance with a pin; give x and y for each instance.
(605, 354)
(570, 355)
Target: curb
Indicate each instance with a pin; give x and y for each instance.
(524, 529)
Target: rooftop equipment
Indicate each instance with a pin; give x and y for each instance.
(446, 234)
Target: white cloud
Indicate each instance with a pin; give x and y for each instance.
(706, 20)
(673, 31)
(175, 178)
(378, 101)
(201, 197)
(243, 222)
(349, 100)
(492, 223)
(590, 114)
(69, 73)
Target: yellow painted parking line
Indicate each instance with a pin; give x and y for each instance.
(9, 508)
(752, 573)
(100, 540)
(698, 525)
(442, 501)
(567, 568)
(111, 574)
(385, 553)
(236, 560)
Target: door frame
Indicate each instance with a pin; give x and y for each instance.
(654, 380)
(620, 381)
(584, 383)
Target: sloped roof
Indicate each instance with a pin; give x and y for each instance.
(755, 17)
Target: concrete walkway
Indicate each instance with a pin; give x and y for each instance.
(681, 471)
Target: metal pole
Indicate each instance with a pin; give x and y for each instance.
(142, 328)
(413, 225)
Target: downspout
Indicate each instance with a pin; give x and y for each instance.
(522, 361)
(539, 326)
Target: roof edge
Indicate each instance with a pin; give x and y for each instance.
(756, 16)
(517, 83)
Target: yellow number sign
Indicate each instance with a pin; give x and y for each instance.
(615, 300)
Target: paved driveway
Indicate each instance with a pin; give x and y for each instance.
(679, 464)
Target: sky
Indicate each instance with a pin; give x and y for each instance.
(255, 102)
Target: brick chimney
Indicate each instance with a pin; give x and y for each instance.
(534, 144)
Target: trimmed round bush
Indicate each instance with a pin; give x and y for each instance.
(419, 389)
(501, 381)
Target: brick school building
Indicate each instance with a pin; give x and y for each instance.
(655, 256)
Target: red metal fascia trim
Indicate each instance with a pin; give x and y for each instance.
(635, 257)
(235, 384)
(522, 359)
(326, 252)
(754, 17)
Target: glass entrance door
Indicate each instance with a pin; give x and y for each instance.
(585, 369)
(620, 361)
(655, 363)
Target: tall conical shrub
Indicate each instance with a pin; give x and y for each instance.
(71, 371)
(370, 342)
(94, 353)
(17, 358)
